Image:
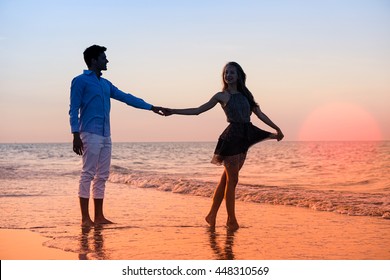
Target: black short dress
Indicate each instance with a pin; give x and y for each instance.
(240, 134)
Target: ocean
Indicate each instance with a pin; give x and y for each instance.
(38, 182)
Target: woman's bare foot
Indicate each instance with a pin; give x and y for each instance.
(102, 221)
(210, 219)
(232, 225)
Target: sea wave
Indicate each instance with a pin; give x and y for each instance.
(342, 202)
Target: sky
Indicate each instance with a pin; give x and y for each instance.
(320, 70)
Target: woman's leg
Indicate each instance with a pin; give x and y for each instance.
(217, 200)
(230, 193)
(232, 172)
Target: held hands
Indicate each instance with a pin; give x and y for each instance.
(162, 111)
(168, 112)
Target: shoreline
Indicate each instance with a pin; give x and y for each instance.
(170, 226)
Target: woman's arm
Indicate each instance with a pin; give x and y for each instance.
(195, 111)
(264, 118)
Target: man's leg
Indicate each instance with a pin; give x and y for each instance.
(99, 216)
(99, 183)
(90, 159)
(85, 218)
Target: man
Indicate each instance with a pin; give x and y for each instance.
(90, 124)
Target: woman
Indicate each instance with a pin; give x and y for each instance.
(238, 103)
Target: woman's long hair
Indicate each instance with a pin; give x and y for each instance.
(241, 87)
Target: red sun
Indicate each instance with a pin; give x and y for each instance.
(340, 122)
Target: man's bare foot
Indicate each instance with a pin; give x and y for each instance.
(87, 223)
(210, 220)
(102, 221)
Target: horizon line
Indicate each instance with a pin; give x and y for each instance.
(201, 141)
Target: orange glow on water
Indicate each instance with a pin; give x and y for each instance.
(340, 122)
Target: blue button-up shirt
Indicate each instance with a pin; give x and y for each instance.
(90, 103)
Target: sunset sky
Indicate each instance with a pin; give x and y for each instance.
(319, 69)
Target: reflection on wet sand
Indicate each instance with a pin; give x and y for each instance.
(97, 251)
(222, 252)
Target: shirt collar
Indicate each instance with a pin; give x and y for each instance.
(89, 72)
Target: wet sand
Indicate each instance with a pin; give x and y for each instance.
(27, 245)
(156, 225)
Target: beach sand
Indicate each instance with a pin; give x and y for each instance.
(27, 245)
(156, 225)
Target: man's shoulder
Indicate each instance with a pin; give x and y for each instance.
(86, 75)
(80, 76)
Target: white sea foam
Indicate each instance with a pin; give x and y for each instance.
(350, 203)
(344, 177)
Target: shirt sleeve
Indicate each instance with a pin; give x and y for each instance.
(128, 98)
(75, 103)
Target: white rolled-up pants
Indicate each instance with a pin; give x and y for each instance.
(96, 165)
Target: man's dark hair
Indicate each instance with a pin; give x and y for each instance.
(93, 52)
